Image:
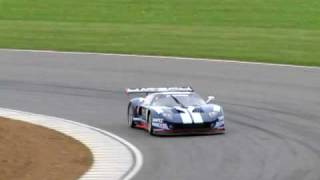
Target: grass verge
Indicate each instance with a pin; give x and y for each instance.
(286, 31)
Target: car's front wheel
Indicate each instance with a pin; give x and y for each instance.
(150, 127)
(130, 117)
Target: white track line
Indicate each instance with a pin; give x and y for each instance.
(159, 57)
(114, 157)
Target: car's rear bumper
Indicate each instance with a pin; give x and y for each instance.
(205, 131)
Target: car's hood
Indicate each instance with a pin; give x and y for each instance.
(190, 114)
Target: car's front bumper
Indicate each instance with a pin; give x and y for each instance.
(204, 131)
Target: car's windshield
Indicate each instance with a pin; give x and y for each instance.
(178, 100)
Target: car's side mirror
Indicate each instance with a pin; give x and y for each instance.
(210, 99)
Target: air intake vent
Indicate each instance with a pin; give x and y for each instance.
(179, 111)
(198, 110)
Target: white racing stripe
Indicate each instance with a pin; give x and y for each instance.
(185, 116)
(197, 118)
(114, 157)
(186, 119)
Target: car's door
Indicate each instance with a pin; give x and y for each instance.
(145, 106)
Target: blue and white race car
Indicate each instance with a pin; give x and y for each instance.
(174, 111)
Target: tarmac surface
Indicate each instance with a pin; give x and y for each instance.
(272, 113)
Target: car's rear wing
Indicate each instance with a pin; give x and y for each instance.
(130, 91)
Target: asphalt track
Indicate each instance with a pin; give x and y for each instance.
(272, 112)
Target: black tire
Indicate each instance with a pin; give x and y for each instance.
(150, 128)
(130, 117)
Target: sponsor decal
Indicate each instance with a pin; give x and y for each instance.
(157, 120)
(160, 125)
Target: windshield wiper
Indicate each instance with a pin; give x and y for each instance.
(177, 101)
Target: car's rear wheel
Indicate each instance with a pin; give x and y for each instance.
(130, 117)
(150, 127)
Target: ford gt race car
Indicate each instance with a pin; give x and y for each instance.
(173, 111)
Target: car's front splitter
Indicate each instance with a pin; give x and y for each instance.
(205, 131)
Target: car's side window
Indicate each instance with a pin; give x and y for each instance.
(162, 100)
(155, 99)
(147, 100)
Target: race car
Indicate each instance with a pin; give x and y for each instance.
(173, 111)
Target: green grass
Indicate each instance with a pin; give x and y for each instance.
(277, 31)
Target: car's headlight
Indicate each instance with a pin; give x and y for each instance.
(217, 108)
(213, 114)
(217, 112)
